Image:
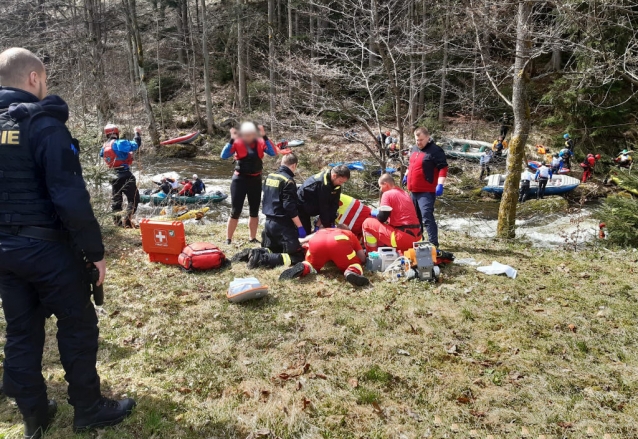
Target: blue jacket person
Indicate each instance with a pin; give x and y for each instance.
(118, 155)
(46, 221)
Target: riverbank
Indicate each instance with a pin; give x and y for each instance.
(549, 353)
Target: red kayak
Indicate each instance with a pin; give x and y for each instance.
(188, 138)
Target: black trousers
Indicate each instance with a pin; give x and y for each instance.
(485, 170)
(125, 184)
(542, 184)
(504, 130)
(242, 186)
(281, 236)
(39, 279)
(524, 191)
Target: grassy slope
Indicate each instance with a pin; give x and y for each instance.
(200, 367)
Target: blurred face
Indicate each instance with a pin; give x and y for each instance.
(421, 140)
(338, 181)
(248, 137)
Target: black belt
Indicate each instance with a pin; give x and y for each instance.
(409, 229)
(41, 233)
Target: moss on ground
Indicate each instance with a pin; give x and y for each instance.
(552, 352)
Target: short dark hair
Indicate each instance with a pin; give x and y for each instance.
(290, 159)
(341, 171)
(16, 64)
(386, 177)
(422, 130)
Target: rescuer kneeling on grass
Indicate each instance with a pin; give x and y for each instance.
(280, 237)
(332, 245)
(396, 224)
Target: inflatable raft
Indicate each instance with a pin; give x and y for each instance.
(361, 166)
(160, 199)
(191, 214)
(558, 185)
(183, 140)
(467, 149)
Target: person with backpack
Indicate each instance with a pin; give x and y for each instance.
(248, 147)
(118, 154)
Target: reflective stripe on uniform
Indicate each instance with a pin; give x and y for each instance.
(341, 238)
(356, 267)
(355, 217)
(393, 239)
(352, 255)
(286, 258)
(370, 239)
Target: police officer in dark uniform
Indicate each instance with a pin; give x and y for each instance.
(47, 229)
(319, 196)
(280, 237)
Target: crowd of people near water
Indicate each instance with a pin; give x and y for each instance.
(315, 223)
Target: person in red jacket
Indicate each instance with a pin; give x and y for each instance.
(340, 247)
(426, 177)
(588, 166)
(187, 190)
(396, 224)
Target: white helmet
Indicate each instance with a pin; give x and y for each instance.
(248, 128)
(195, 177)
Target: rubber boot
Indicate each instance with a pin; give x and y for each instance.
(299, 270)
(104, 413)
(357, 279)
(37, 424)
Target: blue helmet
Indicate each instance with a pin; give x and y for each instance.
(566, 136)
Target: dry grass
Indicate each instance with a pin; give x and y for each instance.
(551, 353)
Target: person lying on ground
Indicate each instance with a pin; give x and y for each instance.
(397, 224)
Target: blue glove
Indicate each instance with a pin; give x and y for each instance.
(439, 190)
(374, 213)
(302, 232)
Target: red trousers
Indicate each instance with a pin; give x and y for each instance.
(324, 249)
(377, 234)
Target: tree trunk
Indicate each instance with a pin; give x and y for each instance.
(210, 122)
(181, 29)
(290, 37)
(313, 54)
(241, 60)
(445, 62)
(134, 31)
(271, 60)
(195, 76)
(520, 104)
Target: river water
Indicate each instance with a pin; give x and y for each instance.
(476, 219)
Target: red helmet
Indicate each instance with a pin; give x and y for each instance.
(602, 225)
(388, 133)
(598, 156)
(111, 129)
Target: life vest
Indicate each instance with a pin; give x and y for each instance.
(556, 162)
(249, 160)
(24, 199)
(351, 213)
(111, 159)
